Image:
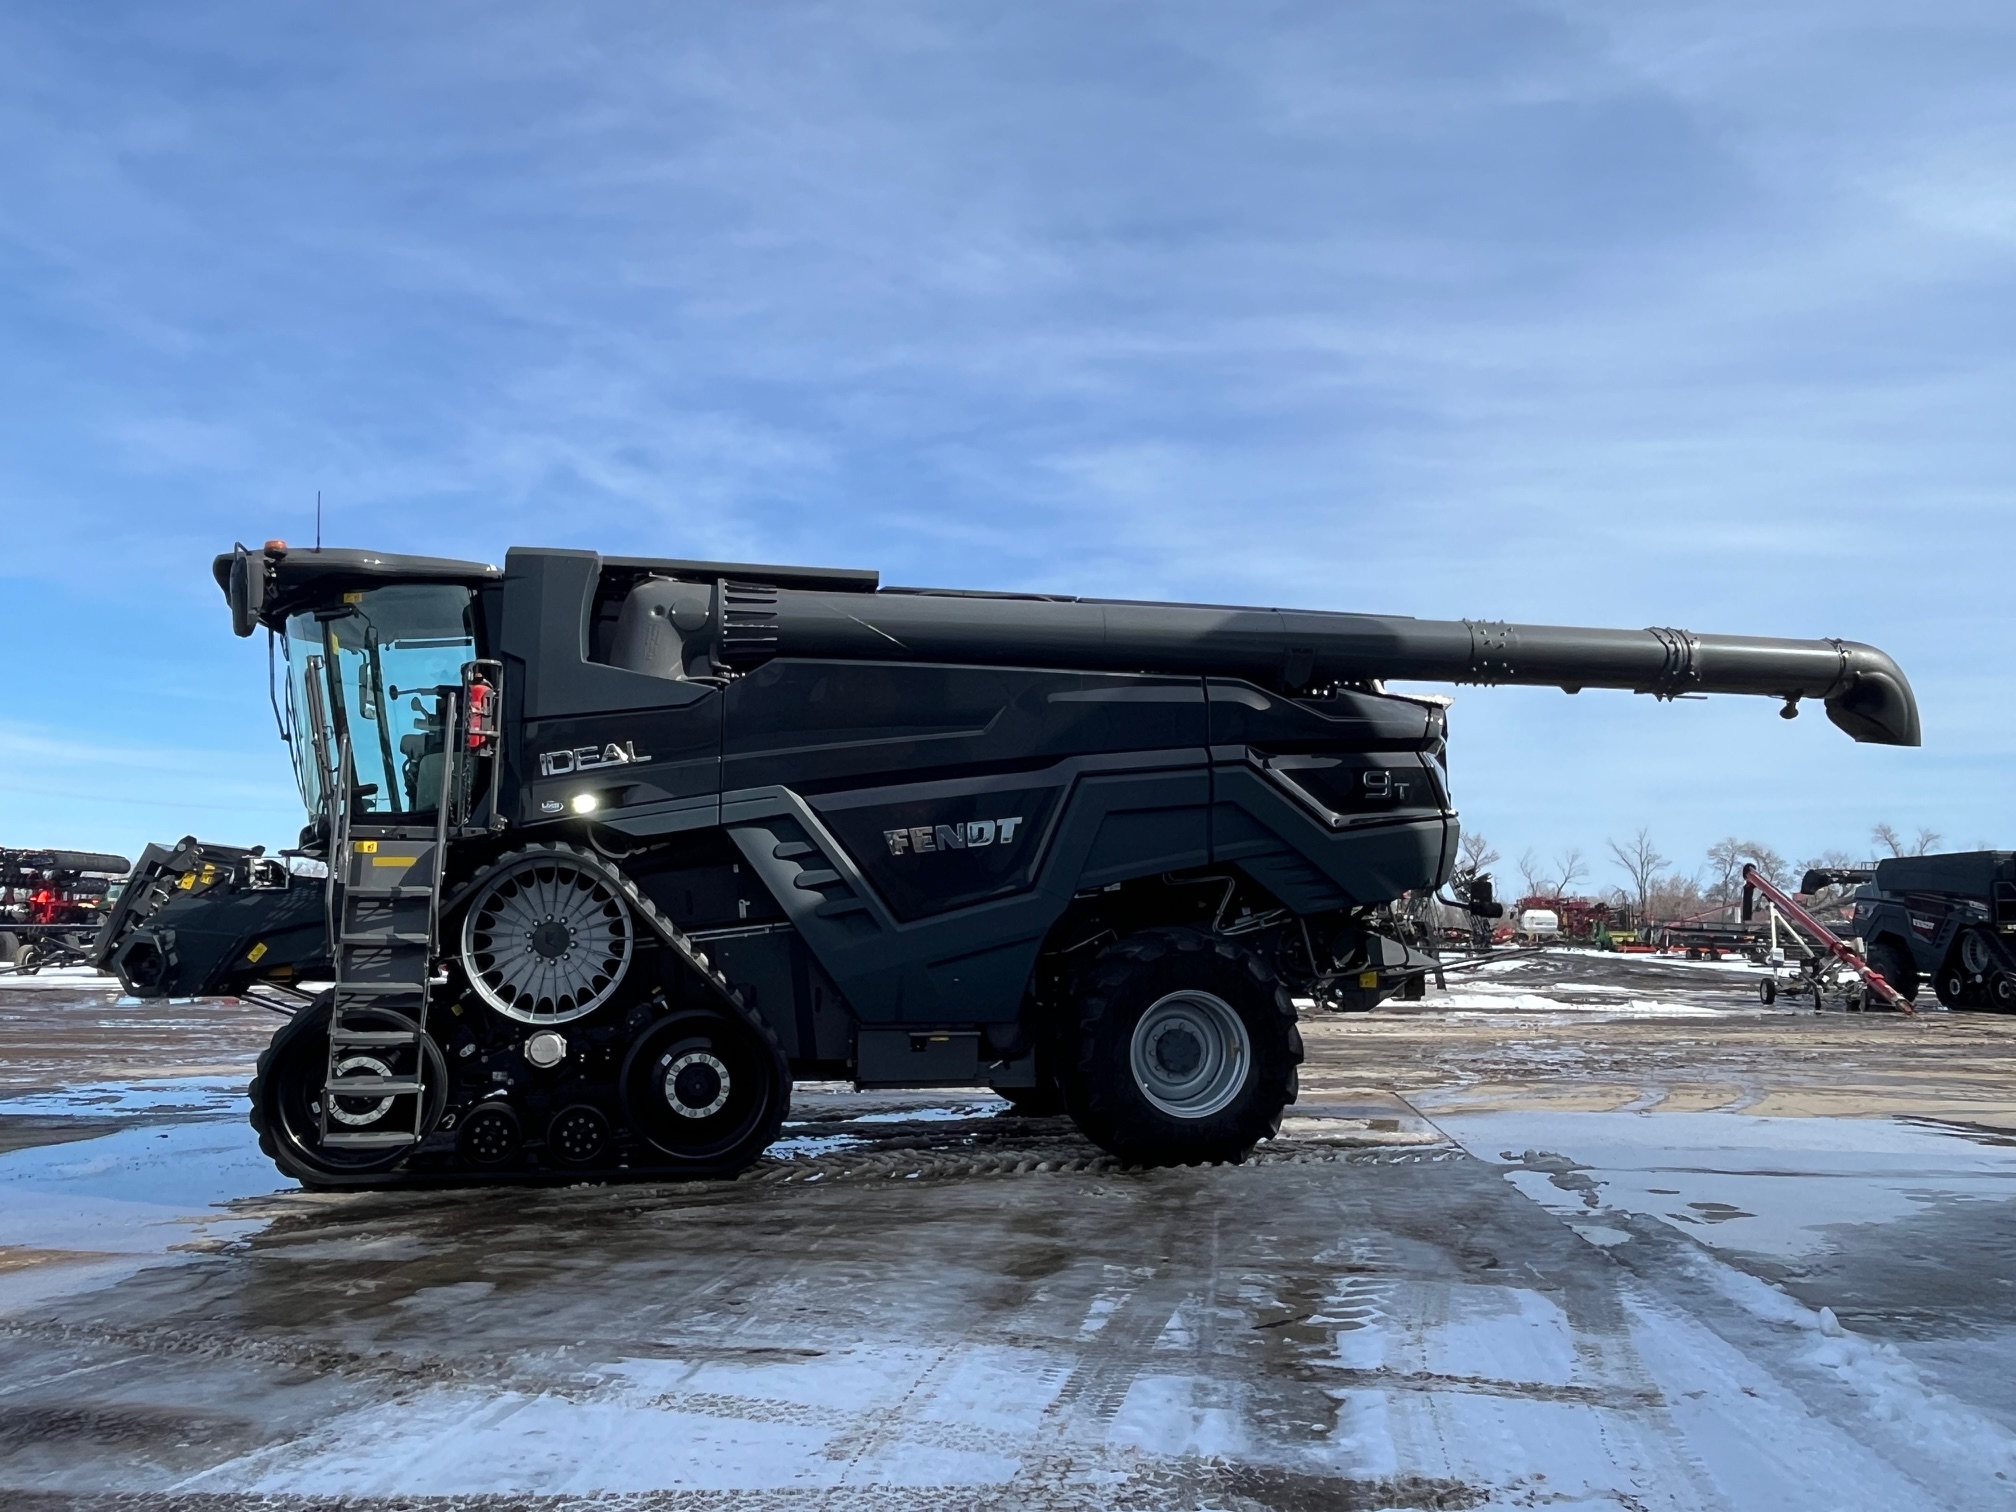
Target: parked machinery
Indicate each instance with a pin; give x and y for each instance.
(620, 846)
(52, 901)
(1949, 920)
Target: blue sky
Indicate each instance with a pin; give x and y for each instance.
(1574, 313)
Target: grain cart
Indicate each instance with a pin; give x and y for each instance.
(617, 847)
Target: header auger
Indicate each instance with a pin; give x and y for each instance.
(617, 847)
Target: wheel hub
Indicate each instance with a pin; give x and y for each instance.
(1176, 1050)
(696, 1085)
(551, 940)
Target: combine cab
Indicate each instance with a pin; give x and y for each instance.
(617, 848)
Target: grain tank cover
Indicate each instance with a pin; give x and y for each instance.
(1970, 873)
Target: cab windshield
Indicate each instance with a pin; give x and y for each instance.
(371, 670)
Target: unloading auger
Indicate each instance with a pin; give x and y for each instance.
(618, 847)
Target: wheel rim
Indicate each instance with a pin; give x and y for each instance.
(547, 942)
(698, 1084)
(360, 1113)
(1974, 953)
(1190, 1054)
(579, 1135)
(490, 1136)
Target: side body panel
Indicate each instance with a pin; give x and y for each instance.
(923, 827)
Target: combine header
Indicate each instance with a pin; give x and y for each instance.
(618, 846)
(52, 902)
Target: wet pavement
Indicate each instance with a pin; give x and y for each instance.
(1579, 1232)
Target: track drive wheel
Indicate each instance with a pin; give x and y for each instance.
(1951, 987)
(2002, 992)
(287, 1094)
(1892, 961)
(707, 1089)
(1184, 1051)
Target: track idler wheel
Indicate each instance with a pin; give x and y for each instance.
(287, 1093)
(706, 1089)
(491, 1138)
(579, 1136)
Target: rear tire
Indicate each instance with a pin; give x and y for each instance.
(1892, 961)
(1185, 1050)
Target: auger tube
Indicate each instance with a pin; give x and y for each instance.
(1863, 689)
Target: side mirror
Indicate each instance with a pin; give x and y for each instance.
(248, 589)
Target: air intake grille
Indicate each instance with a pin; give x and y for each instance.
(748, 623)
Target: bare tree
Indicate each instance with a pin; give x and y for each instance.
(1727, 858)
(1887, 839)
(1572, 867)
(1767, 861)
(1642, 863)
(1476, 851)
(1537, 884)
(1674, 897)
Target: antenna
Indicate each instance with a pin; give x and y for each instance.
(318, 519)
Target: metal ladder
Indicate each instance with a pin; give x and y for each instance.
(384, 913)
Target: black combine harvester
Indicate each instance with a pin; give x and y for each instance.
(617, 847)
(1947, 919)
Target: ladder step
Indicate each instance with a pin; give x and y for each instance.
(377, 1141)
(378, 989)
(373, 1086)
(388, 938)
(396, 890)
(373, 1037)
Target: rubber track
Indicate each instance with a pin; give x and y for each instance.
(672, 938)
(1095, 1107)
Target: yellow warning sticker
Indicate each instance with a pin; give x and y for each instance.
(188, 881)
(1368, 979)
(256, 952)
(391, 860)
(364, 847)
(353, 598)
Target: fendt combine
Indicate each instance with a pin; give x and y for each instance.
(618, 847)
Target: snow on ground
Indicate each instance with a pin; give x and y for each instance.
(71, 979)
